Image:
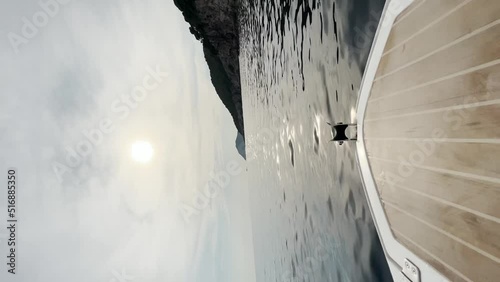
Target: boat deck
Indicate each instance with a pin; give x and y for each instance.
(432, 135)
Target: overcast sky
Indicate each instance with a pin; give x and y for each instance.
(80, 82)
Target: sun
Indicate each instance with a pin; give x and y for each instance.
(142, 151)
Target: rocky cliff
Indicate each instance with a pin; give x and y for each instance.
(215, 24)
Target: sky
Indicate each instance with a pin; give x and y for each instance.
(80, 82)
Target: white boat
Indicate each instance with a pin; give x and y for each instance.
(429, 138)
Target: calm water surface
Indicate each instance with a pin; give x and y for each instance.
(301, 65)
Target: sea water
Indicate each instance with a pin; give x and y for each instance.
(301, 67)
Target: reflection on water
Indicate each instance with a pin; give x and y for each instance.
(301, 66)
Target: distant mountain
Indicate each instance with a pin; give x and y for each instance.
(215, 24)
(240, 146)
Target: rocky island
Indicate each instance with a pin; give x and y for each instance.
(215, 24)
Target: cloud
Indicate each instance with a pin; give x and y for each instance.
(108, 214)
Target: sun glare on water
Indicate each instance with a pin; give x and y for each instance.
(142, 152)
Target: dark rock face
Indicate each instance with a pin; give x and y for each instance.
(215, 24)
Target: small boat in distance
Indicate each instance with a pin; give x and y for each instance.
(429, 138)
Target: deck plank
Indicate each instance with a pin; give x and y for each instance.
(425, 13)
(468, 18)
(477, 86)
(474, 158)
(447, 62)
(479, 232)
(470, 123)
(410, 9)
(476, 195)
(472, 264)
